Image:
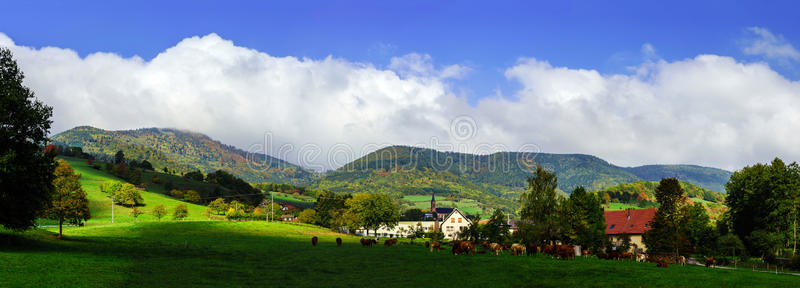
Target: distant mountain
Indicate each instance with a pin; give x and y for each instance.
(182, 151)
(642, 194)
(511, 169)
(710, 178)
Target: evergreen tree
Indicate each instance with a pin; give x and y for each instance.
(538, 207)
(668, 230)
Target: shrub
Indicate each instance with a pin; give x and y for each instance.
(307, 216)
(191, 196)
(795, 262)
(176, 193)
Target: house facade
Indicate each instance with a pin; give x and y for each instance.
(633, 222)
(451, 226)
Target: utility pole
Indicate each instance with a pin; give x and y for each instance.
(112, 209)
(272, 205)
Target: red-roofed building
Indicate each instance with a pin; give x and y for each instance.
(629, 222)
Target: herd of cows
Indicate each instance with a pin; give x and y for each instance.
(565, 252)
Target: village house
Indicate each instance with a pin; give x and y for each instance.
(450, 221)
(632, 222)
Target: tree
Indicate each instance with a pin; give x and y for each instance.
(669, 232)
(69, 201)
(194, 175)
(730, 244)
(766, 198)
(327, 203)
(538, 207)
(413, 214)
(702, 236)
(128, 195)
(146, 165)
(589, 224)
(159, 211)
(218, 205)
(191, 196)
(26, 171)
(119, 158)
(181, 212)
(307, 216)
(135, 212)
(496, 230)
(344, 218)
(374, 210)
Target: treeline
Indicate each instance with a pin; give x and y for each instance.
(644, 192)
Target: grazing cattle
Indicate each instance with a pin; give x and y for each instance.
(682, 260)
(548, 249)
(613, 255)
(435, 246)
(389, 242)
(641, 257)
(463, 247)
(427, 244)
(710, 262)
(626, 255)
(496, 248)
(565, 252)
(314, 240)
(586, 253)
(367, 242)
(485, 244)
(517, 249)
(602, 256)
(531, 249)
(339, 242)
(662, 264)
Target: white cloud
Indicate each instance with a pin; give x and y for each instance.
(708, 110)
(763, 42)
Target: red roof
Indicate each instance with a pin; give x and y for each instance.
(629, 221)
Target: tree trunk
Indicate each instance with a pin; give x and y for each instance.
(60, 228)
(794, 237)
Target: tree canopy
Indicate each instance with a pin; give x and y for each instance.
(69, 201)
(26, 171)
(374, 210)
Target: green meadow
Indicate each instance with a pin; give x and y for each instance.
(202, 253)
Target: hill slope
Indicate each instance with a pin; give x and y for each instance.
(182, 151)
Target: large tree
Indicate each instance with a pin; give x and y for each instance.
(538, 207)
(669, 230)
(26, 171)
(588, 223)
(373, 210)
(763, 202)
(328, 203)
(68, 200)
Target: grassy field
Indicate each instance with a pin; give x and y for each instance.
(242, 254)
(100, 204)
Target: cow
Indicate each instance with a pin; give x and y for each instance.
(626, 255)
(662, 264)
(602, 256)
(531, 249)
(682, 260)
(710, 262)
(389, 242)
(435, 246)
(314, 240)
(517, 249)
(586, 253)
(339, 242)
(463, 247)
(496, 248)
(641, 257)
(367, 242)
(548, 249)
(485, 244)
(427, 244)
(565, 252)
(613, 255)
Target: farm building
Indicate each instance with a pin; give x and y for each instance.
(632, 222)
(450, 221)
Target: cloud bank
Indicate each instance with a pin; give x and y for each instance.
(709, 110)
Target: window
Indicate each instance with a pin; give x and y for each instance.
(452, 220)
(645, 225)
(459, 220)
(631, 225)
(611, 227)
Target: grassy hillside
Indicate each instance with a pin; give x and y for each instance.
(100, 204)
(641, 194)
(181, 151)
(709, 178)
(250, 254)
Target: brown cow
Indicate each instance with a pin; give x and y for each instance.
(586, 253)
(566, 252)
(339, 242)
(710, 262)
(496, 248)
(613, 255)
(602, 256)
(389, 242)
(436, 246)
(463, 247)
(682, 260)
(314, 240)
(662, 264)
(367, 242)
(626, 256)
(531, 249)
(485, 244)
(517, 249)
(427, 244)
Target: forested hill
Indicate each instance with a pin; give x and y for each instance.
(511, 169)
(181, 151)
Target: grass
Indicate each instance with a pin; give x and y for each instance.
(100, 204)
(621, 206)
(244, 254)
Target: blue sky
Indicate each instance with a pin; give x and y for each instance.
(633, 82)
(486, 36)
